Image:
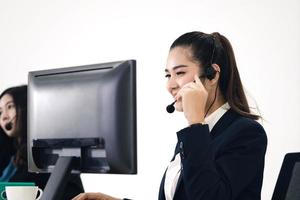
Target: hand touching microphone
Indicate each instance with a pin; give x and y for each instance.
(170, 108)
(193, 97)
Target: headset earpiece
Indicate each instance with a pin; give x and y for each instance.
(210, 72)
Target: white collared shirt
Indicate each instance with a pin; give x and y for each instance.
(174, 168)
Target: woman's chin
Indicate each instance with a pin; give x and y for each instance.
(10, 133)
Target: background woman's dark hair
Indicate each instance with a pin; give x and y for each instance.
(19, 95)
(202, 46)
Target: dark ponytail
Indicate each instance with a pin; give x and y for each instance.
(202, 46)
(235, 94)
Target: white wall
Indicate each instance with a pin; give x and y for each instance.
(265, 35)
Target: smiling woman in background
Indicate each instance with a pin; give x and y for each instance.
(13, 143)
(220, 153)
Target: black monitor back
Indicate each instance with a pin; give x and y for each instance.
(87, 112)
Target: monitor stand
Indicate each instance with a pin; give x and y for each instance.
(67, 161)
(57, 181)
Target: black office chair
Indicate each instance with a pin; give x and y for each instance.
(288, 182)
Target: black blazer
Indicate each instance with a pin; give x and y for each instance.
(224, 164)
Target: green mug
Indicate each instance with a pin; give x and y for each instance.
(3, 184)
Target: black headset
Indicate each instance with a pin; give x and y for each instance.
(209, 71)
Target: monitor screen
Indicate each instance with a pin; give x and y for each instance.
(85, 112)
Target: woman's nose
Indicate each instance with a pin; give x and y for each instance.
(172, 84)
(4, 116)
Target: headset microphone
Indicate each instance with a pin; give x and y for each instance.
(170, 108)
(8, 126)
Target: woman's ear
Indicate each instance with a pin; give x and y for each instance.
(215, 80)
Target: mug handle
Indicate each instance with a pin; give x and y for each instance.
(2, 193)
(40, 195)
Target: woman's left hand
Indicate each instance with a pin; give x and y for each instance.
(193, 96)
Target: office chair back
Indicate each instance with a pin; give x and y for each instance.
(288, 182)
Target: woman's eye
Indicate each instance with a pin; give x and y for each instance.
(177, 74)
(10, 106)
(180, 73)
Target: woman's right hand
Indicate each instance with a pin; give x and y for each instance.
(193, 96)
(94, 196)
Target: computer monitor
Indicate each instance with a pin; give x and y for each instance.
(84, 118)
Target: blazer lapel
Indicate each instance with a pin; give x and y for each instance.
(161, 195)
(178, 184)
(223, 122)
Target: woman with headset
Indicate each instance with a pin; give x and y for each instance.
(220, 153)
(13, 143)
